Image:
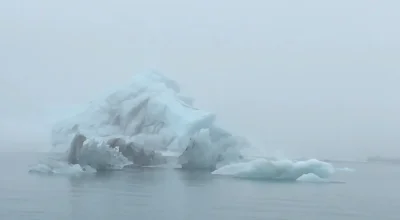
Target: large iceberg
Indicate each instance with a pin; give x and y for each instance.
(151, 117)
(149, 120)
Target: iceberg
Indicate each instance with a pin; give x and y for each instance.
(147, 118)
(149, 121)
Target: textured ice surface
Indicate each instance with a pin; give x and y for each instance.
(150, 109)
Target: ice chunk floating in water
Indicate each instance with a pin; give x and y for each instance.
(277, 169)
(143, 122)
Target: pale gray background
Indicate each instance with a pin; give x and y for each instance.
(304, 78)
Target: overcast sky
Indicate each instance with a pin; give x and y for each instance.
(307, 78)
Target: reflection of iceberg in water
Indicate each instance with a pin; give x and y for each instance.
(141, 123)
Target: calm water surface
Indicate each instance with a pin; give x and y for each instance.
(369, 193)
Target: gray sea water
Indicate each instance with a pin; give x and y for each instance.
(368, 193)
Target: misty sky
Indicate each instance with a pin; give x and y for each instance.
(307, 78)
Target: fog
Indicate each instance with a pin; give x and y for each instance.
(301, 78)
